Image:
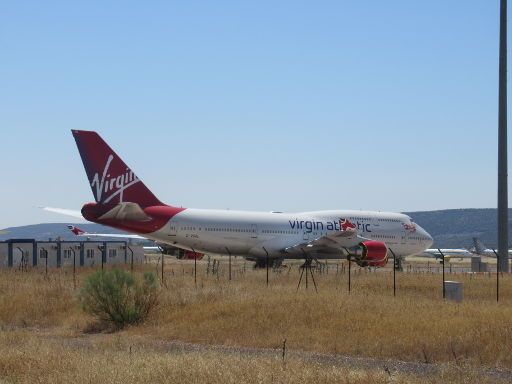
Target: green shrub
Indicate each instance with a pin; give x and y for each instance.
(116, 297)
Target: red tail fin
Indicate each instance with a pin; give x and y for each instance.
(110, 178)
(77, 231)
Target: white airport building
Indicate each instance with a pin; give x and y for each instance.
(22, 253)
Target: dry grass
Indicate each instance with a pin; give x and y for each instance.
(31, 299)
(414, 326)
(32, 358)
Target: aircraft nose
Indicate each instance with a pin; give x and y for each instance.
(426, 235)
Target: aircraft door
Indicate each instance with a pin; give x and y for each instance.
(173, 231)
(305, 236)
(374, 223)
(254, 231)
(403, 236)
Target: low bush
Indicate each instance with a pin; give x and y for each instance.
(118, 298)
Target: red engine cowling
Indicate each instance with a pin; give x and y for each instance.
(372, 254)
(189, 255)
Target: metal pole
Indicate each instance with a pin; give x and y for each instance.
(74, 267)
(502, 144)
(102, 254)
(162, 251)
(313, 277)
(497, 276)
(195, 267)
(131, 262)
(306, 268)
(349, 264)
(394, 275)
(444, 290)
(229, 253)
(300, 278)
(394, 271)
(267, 263)
(46, 267)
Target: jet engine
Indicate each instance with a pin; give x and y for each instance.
(370, 254)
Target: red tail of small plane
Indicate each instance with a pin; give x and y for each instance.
(77, 231)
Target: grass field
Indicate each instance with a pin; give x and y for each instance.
(27, 356)
(46, 337)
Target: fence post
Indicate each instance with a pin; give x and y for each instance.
(266, 262)
(442, 255)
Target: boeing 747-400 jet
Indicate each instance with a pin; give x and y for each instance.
(122, 201)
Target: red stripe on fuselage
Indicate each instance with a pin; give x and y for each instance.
(159, 215)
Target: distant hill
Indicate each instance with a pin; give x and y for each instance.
(451, 228)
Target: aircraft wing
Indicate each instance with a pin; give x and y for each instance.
(122, 236)
(67, 212)
(80, 232)
(333, 242)
(122, 211)
(116, 235)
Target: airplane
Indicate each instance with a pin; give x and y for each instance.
(181, 254)
(480, 249)
(447, 252)
(124, 202)
(80, 232)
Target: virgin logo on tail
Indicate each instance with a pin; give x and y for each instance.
(346, 224)
(108, 187)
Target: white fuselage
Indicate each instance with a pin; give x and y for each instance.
(448, 252)
(253, 234)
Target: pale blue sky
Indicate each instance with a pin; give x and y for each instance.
(287, 105)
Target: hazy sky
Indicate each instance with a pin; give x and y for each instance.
(278, 105)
